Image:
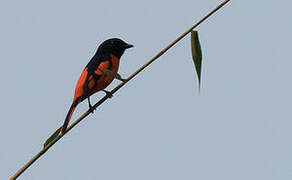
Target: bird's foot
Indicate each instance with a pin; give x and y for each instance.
(91, 109)
(108, 93)
(122, 79)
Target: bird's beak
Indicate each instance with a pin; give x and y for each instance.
(128, 46)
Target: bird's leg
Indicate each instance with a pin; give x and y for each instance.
(108, 93)
(91, 109)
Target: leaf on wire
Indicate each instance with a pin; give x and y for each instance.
(52, 137)
(113, 74)
(196, 54)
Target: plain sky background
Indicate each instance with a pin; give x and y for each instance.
(158, 126)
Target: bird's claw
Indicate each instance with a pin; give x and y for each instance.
(108, 93)
(123, 80)
(91, 109)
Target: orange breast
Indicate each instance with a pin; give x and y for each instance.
(105, 79)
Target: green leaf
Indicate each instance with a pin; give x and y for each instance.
(113, 74)
(52, 137)
(196, 54)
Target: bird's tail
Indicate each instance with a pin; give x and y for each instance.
(69, 115)
(63, 128)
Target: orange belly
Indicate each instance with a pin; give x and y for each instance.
(104, 80)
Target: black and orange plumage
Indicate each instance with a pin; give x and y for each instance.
(93, 78)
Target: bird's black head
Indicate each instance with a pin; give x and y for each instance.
(113, 46)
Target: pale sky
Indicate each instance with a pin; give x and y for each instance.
(158, 126)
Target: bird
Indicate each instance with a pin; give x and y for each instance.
(98, 74)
